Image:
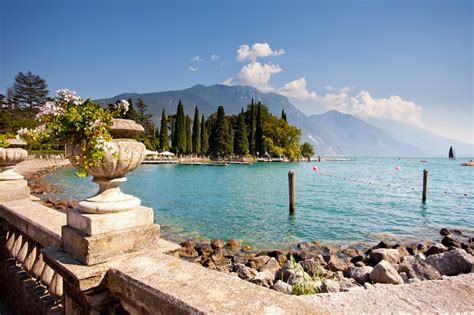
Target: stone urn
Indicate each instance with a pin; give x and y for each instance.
(11, 156)
(109, 173)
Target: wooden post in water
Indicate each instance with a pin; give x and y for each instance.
(425, 185)
(291, 182)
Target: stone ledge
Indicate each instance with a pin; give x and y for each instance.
(87, 277)
(40, 223)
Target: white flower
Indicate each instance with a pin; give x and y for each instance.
(123, 105)
(22, 131)
(49, 108)
(40, 129)
(108, 147)
(68, 96)
(94, 123)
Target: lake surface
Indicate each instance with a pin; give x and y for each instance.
(345, 201)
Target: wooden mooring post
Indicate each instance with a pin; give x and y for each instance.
(425, 185)
(291, 184)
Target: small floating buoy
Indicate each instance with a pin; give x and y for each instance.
(465, 195)
(388, 185)
(397, 167)
(413, 188)
(315, 168)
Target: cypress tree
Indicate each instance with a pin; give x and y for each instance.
(164, 144)
(131, 113)
(283, 115)
(179, 139)
(189, 139)
(204, 137)
(252, 129)
(259, 145)
(30, 90)
(218, 142)
(241, 143)
(196, 132)
(229, 138)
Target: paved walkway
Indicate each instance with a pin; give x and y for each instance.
(453, 295)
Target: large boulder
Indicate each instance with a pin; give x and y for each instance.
(452, 262)
(384, 272)
(338, 264)
(259, 261)
(418, 268)
(360, 274)
(271, 266)
(314, 267)
(283, 287)
(244, 272)
(289, 269)
(387, 254)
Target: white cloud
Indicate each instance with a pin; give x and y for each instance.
(297, 89)
(191, 68)
(363, 104)
(255, 74)
(394, 108)
(215, 57)
(257, 50)
(197, 58)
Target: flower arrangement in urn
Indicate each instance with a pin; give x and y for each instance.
(96, 143)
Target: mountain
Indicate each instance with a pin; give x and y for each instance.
(350, 135)
(331, 133)
(429, 143)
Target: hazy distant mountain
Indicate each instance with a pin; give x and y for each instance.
(350, 135)
(331, 133)
(429, 143)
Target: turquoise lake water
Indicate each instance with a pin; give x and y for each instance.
(345, 201)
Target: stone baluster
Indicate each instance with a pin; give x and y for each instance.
(30, 259)
(56, 286)
(47, 275)
(23, 252)
(16, 245)
(38, 267)
(10, 241)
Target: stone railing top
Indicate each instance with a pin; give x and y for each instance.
(15, 143)
(40, 223)
(156, 283)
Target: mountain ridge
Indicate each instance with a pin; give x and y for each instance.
(332, 133)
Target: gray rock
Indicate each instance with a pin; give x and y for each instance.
(283, 287)
(385, 273)
(390, 255)
(404, 276)
(338, 264)
(346, 284)
(437, 248)
(330, 286)
(259, 261)
(418, 268)
(360, 274)
(313, 267)
(263, 279)
(272, 266)
(299, 277)
(244, 272)
(288, 270)
(420, 256)
(452, 262)
(413, 280)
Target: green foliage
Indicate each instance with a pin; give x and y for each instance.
(259, 141)
(306, 285)
(251, 126)
(29, 90)
(307, 150)
(204, 136)
(219, 146)
(189, 140)
(196, 132)
(144, 119)
(131, 113)
(284, 138)
(3, 141)
(164, 142)
(241, 144)
(283, 115)
(179, 137)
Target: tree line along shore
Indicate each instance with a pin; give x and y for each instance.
(254, 132)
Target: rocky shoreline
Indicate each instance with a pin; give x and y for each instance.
(311, 267)
(316, 268)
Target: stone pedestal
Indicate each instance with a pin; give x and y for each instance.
(96, 238)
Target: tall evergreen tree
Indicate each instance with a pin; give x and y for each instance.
(10, 100)
(131, 113)
(2, 100)
(259, 145)
(204, 137)
(218, 142)
(30, 90)
(196, 132)
(241, 143)
(164, 144)
(189, 138)
(283, 115)
(179, 139)
(252, 129)
(229, 138)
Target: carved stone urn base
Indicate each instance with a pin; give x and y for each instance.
(109, 198)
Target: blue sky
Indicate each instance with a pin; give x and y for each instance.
(404, 60)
